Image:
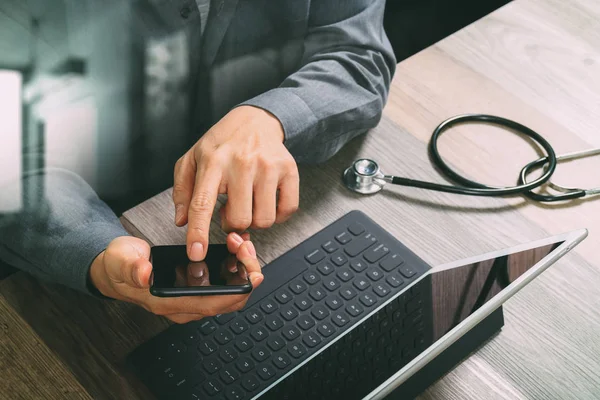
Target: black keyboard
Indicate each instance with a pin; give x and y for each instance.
(306, 323)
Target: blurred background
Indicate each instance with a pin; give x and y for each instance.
(93, 85)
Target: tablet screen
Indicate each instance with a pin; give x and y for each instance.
(458, 292)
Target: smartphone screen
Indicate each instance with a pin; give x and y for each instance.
(173, 274)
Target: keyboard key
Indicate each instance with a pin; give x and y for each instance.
(265, 371)
(259, 333)
(305, 322)
(381, 290)
(244, 364)
(297, 286)
(224, 318)
(325, 268)
(413, 305)
(283, 296)
(407, 271)
(375, 274)
(358, 265)
(340, 318)
(297, 350)
(343, 237)
(289, 313)
(319, 312)
(290, 332)
(390, 263)
(311, 339)
(311, 278)
(376, 253)
(348, 293)
(276, 342)
(207, 347)
(260, 354)
(213, 387)
(412, 320)
(354, 309)
(326, 329)
(212, 366)
(229, 375)
(367, 299)
(397, 315)
(228, 354)
(317, 294)
(384, 325)
(234, 393)
(273, 322)
(339, 259)
(207, 327)
(359, 245)
(238, 326)
(250, 383)
(329, 246)
(345, 274)
(315, 256)
(269, 306)
(282, 361)
(253, 316)
(243, 344)
(303, 303)
(361, 284)
(331, 284)
(223, 336)
(394, 281)
(333, 302)
(356, 229)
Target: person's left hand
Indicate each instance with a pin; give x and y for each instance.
(243, 155)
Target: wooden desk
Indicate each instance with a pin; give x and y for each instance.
(535, 61)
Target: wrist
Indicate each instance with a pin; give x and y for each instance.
(271, 124)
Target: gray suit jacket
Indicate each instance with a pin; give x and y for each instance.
(322, 67)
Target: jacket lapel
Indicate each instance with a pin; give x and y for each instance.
(221, 14)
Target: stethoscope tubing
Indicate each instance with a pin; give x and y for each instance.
(473, 188)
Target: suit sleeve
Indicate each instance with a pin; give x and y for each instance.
(60, 229)
(343, 81)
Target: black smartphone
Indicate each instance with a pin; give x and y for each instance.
(174, 275)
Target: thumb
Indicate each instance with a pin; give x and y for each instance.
(127, 261)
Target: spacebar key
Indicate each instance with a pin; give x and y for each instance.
(358, 246)
(275, 276)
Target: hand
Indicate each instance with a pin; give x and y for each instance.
(123, 271)
(243, 156)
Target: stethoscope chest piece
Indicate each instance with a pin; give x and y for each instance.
(364, 177)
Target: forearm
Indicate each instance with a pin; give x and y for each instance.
(58, 239)
(342, 85)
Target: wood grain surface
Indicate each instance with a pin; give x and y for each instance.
(535, 61)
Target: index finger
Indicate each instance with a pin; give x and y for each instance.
(204, 198)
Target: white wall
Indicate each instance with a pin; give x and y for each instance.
(10, 141)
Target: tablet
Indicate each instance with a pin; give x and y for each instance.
(465, 292)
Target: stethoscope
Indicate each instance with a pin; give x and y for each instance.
(365, 177)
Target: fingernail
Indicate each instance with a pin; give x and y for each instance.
(196, 270)
(136, 277)
(254, 278)
(237, 238)
(178, 213)
(251, 249)
(196, 251)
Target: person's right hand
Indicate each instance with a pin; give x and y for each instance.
(123, 271)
